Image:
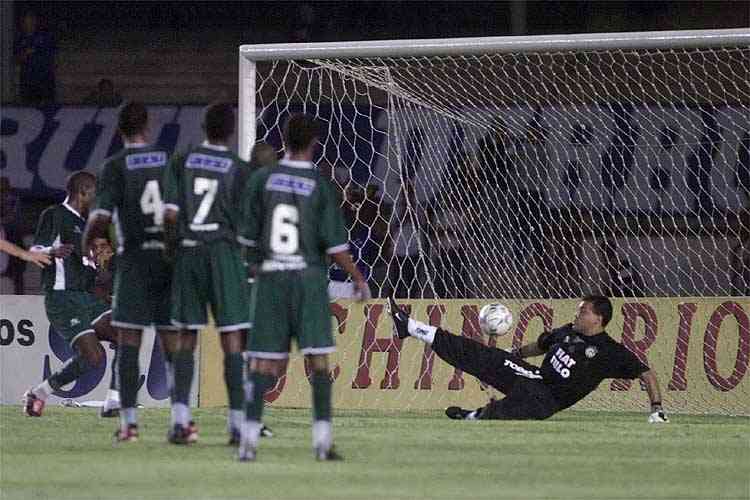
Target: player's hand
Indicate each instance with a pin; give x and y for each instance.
(41, 259)
(62, 251)
(362, 291)
(658, 417)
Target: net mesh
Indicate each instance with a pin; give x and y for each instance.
(520, 177)
(534, 175)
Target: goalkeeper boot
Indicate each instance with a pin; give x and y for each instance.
(32, 405)
(400, 319)
(330, 454)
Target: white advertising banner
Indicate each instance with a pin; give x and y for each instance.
(30, 350)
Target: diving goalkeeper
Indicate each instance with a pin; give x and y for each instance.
(578, 356)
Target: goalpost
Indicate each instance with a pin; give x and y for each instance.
(531, 168)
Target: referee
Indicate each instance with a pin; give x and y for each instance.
(577, 357)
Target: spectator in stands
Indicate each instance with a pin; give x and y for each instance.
(10, 229)
(624, 278)
(104, 96)
(404, 268)
(35, 52)
(367, 238)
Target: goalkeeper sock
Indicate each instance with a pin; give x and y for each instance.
(233, 370)
(422, 331)
(71, 370)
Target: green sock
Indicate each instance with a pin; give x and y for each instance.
(128, 372)
(255, 389)
(233, 366)
(71, 370)
(184, 366)
(321, 396)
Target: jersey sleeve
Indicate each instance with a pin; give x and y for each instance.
(625, 364)
(109, 190)
(171, 184)
(548, 338)
(333, 235)
(45, 231)
(250, 213)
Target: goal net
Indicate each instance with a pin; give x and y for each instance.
(531, 169)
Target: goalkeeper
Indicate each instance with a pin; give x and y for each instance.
(578, 356)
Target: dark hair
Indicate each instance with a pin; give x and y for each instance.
(79, 181)
(601, 306)
(218, 121)
(133, 119)
(299, 132)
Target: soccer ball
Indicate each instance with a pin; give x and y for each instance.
(495, 319)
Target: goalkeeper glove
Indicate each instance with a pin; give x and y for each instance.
(657, 415)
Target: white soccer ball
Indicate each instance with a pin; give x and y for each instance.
(495, 319)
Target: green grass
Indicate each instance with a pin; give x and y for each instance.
(68, 453)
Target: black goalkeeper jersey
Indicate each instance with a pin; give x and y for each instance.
(576, 364)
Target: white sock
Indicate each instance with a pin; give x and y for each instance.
(128, 416)
(235, 418)
(250, 432)
(473, 415)
(112, 400)
(43, 390)
(180, 414)
(423, 332)
(322, 434)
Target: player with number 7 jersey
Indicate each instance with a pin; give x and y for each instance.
(201, 195)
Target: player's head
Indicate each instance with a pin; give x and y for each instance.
(218, 122)
(264, 155)
(133, 120)
(301, 134)
(593, 315)
(81, 189)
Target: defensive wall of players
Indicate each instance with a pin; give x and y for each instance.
(699, 347)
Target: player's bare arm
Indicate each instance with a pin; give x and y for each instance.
(344, 261)
(654, 395)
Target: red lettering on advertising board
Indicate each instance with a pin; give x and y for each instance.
(370, 345)
(535, 310)
(424, 380)
(631, 312)
(711, 338)
(679, 372)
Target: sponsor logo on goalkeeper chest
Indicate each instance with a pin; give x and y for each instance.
(562, 362)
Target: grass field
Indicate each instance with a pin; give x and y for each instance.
(68, 453)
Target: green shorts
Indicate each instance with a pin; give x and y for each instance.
(210, 274)
(142, 291)
(290, 304)
(74, 313)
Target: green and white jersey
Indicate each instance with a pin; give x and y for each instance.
(61, 225)
(129, 190)
(292, 217)
(205, 185)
